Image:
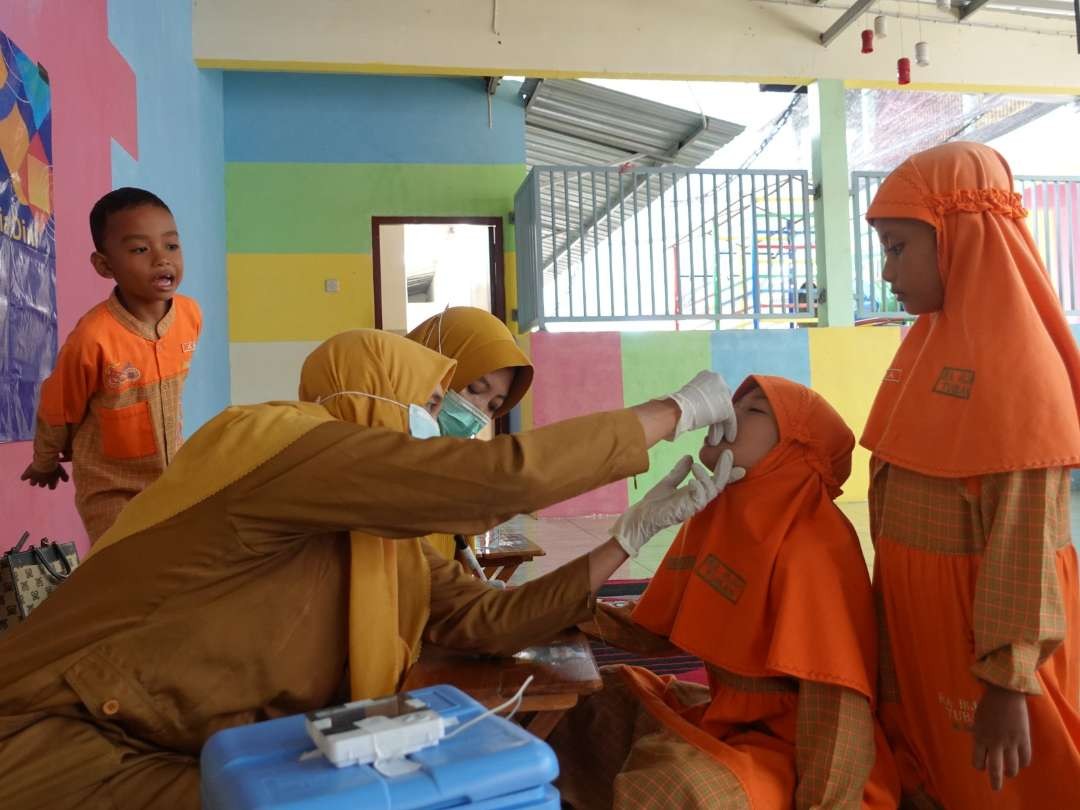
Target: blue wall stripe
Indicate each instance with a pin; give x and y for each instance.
(779, 352)
(181, 159)
(328, 118)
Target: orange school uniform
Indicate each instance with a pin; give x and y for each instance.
(973, 431)
(112, 404)
(768, 586)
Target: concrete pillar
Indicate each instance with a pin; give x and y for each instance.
(829, 167)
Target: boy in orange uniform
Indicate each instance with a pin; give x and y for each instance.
(112, 404)
(972, 433)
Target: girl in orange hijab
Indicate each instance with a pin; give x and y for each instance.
(768, 586)
(972, 433)
(491, 377)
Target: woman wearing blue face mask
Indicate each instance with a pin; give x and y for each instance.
(276, 561)
(491, 377)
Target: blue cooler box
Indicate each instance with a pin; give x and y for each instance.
(494, 765)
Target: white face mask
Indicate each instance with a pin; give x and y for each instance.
(422, 425)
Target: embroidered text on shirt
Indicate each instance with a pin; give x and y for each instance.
(955, 382)
(721, 578)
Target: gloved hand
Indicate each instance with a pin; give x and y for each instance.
(705, 401)
(668, 504)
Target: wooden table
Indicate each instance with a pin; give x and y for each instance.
(563, 671)
(506, 554)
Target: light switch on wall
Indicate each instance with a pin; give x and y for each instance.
(332, 285)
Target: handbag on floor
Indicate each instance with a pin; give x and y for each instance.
(27, 577)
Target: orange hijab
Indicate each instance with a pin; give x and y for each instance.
(769, 580)
(991, 382)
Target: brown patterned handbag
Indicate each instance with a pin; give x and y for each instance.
(27, 577)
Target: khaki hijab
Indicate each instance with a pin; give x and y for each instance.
(480, 343)
(385, 621)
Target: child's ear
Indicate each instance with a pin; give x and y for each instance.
(101, 264)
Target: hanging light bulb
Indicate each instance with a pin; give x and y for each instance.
(922, 54)
(881, 26)
(903, 70)
(868, 40)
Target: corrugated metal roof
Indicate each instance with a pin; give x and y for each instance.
(574, 123)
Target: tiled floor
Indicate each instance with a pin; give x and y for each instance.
(566, 538)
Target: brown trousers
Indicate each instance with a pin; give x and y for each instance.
(58, 762)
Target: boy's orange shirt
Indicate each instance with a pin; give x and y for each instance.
(113, 404)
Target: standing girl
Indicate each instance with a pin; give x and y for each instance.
(973, 432)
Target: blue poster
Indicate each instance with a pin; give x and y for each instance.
(28, 334)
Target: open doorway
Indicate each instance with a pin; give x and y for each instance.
(421, 265)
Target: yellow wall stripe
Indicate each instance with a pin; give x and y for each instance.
(282, 297)
(846, 366)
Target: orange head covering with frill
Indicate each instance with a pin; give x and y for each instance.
(990, 383)
(769, 580)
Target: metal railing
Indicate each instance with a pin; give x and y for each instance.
(598, 244)
(1053, 205)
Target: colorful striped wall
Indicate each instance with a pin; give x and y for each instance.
(577, 373)
(310, 159)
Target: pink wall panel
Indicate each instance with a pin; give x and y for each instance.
(93, 103)
(579, 374)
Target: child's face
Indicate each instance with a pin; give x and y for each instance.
(758, 432)
(911, 265)
(142, 254)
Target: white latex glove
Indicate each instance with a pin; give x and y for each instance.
(705, 401)
(668, 504)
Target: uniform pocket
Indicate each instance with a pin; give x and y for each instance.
(127, 432)
(112, 695)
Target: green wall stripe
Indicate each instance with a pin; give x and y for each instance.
(655, 364)
(327, 208)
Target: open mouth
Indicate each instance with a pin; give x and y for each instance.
(166, 281)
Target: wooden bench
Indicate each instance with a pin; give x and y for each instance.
(563, 671)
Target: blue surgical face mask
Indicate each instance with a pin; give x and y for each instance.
(461, 418)
(422, 425)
